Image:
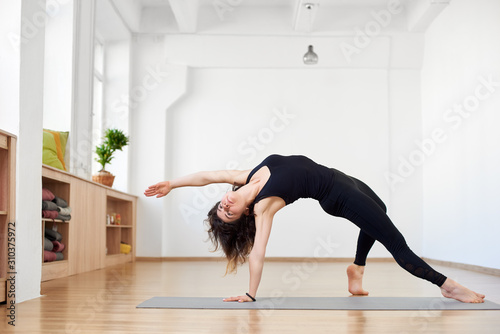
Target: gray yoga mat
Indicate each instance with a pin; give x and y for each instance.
(319, 303)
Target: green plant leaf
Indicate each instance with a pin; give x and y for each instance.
(114, 139)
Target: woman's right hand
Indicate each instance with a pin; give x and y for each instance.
(160, 189)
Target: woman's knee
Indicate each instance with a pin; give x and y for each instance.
(394, 242)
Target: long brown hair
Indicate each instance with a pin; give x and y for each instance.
(235, 239)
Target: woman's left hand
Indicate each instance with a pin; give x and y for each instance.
(160, 189)
(239, 299)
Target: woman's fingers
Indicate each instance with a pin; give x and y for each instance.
(230, 299)
(152, 190)
(240, 299)
(160, 189)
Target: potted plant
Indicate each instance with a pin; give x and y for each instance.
(113, 140)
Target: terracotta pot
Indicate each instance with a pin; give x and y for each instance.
(104, 177)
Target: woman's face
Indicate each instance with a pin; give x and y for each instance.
(231, 207)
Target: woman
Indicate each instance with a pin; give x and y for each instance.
(241, 222)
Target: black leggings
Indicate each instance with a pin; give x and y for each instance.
(352, 199)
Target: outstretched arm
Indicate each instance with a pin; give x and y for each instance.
(161, 189)
(257, 256)
(263, 224)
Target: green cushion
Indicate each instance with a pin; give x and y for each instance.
(49, 156)
(63, 135)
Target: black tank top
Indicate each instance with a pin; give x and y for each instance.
(294, 177)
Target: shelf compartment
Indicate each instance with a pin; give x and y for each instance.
(56, 269)
(118, 203)
(122, 207)
(127, 236)
(63, 229)
(59, 185)
(113, 236)
(58, 188)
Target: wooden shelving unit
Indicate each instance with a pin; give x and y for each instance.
(124, 205)
(90, 243)
(7, 206)
(85, 236)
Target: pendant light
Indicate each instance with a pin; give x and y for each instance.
(310, 58)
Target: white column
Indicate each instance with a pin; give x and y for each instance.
(29, 153)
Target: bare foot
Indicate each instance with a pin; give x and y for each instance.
(355, 278)
(451, 289)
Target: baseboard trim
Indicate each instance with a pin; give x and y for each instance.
(484, 270)
(178, 259)
(471, 267)
(268, 259)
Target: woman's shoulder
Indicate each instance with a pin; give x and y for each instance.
(269, 206)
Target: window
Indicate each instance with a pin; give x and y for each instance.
(97, 107)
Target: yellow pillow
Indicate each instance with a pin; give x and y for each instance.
(61, 139)
(49, 156)
(63, 136)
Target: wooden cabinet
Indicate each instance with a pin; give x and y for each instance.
(123, 205)
(88, 204)
(7, 209)
(90, 243)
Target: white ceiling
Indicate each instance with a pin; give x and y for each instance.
(271, 3)
(264, 17)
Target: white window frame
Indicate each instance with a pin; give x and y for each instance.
(98, 129)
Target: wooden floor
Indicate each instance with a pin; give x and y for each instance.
(105, 301)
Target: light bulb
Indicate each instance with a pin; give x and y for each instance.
(310, 58)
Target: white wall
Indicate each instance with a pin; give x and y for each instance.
(155, 86)
(461, 176)
(235, 118)
(405, 206)
(346, 114)
(10, 30)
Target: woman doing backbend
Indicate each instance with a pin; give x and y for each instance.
(241, 222)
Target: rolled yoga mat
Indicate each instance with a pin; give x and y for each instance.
(319, 303)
